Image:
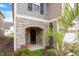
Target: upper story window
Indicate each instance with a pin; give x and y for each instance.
(30, 6)
(36, 7)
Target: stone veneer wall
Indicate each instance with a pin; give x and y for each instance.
(22, 24)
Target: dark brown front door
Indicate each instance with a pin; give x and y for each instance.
(33, 36)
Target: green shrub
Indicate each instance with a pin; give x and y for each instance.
(36, 53)
(72, 48)
(25, 51)
(75, 48)
(76, 52)
(51, 52)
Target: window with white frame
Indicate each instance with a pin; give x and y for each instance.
(36, 7)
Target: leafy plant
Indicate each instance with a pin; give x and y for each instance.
(75, 47)
(65, 21)
(24, 51)
(51, 52)
(35, 53)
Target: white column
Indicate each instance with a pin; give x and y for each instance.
(14, 26)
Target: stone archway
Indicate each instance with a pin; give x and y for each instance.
(33, 35)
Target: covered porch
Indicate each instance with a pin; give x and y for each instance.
(34, 36)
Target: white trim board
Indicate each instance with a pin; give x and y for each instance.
(36, 19)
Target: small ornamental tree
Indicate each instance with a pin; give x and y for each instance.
(65, 21)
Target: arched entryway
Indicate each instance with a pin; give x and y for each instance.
(33, 35)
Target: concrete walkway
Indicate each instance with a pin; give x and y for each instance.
(35, 47)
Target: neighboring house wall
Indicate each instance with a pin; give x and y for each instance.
(1, 24)
(8, 28)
